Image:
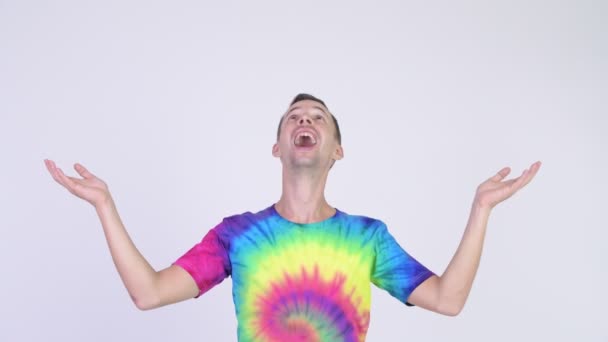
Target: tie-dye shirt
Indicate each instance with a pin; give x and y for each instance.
(302, 282)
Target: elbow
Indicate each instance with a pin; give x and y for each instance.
(451, 304)
(145, 304)
(145, 297)
(451, 309)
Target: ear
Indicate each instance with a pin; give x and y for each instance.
(275, 150)
(339, 153)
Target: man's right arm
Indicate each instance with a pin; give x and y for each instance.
(148, 288)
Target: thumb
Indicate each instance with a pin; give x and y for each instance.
(504, 172)
(82, 171)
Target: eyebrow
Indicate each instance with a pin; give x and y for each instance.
(316, 107)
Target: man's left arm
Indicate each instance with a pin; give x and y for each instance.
(448, 293)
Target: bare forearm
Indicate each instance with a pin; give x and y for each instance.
(457, 280)
(136, 273)
(448, 293)
(148, 288)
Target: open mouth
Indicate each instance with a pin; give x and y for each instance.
(305, 139)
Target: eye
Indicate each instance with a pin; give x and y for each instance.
(293, 117)
(319, 117)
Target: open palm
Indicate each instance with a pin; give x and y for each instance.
(89, 187)
(496, 189)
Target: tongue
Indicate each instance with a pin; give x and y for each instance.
(304, 142)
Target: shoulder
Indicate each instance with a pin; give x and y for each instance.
(236, 225)
(364, 221)
(243, 220)
(248, 217)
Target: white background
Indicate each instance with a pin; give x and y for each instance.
(175, 105)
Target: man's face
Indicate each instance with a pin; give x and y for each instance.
(308, 136)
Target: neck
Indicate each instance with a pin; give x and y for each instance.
(303, 198)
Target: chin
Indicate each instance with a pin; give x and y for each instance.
(305, 162)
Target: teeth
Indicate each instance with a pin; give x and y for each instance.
(306, 134)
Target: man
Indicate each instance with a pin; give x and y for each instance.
(301, 269)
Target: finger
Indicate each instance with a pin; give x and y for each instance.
(54, 173)
(519, 181)
(501, 174)
(527, 175)
(68, 182)
(49, 165)
(531, 173)
(83, 171)
(524, 179)
(535, 167)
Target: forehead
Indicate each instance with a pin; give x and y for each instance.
(307, 105)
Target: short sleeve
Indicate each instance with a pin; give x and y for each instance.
(394, 270)
(207, 262)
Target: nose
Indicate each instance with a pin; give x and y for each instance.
(305, 120)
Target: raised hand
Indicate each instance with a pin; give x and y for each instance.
(89, 187)
(495, 189)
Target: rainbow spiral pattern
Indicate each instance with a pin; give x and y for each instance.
(302, 282)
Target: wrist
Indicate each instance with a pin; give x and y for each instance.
(480, 208)
(105, 204)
